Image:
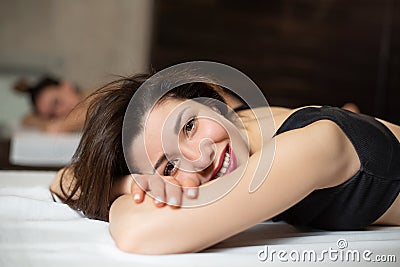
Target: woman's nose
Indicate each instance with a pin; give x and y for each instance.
(197, 156)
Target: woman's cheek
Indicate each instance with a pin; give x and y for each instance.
(214, 131)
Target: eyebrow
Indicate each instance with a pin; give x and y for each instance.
(160, 161)
(177, 129)
(179, 120)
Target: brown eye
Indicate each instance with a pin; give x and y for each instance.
(189, 126)
(170, 168)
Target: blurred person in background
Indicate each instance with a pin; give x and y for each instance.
(58, 105)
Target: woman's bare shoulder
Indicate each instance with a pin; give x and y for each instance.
(329, 151)
(395, 129)
(64, 178)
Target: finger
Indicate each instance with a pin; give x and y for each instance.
(137, 192)
(138, 187)
(173, 192)
(157, 190)
(190, 187)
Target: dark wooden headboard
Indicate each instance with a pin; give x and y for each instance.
(299, 52)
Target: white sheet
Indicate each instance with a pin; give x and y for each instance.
(35, 231)
(31, 147)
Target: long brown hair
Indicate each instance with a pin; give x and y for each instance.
(99, 159)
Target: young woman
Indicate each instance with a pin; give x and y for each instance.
(332, 169)
(55, 105)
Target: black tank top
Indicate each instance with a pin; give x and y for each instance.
(363, 198)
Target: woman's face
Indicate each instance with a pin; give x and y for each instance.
(57, 100)
(186, 138)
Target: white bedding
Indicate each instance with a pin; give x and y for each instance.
(31, 147)
(35, 231)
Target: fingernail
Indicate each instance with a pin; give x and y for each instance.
(173, 201)
(191, 192)
(136, 196)
(158, 200)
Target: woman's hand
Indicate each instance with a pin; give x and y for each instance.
(163, 189)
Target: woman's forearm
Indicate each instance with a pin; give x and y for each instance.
(33, 120)
(145, 229)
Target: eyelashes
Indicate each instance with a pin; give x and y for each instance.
(171, 167)
(189, 127)
(189, 130)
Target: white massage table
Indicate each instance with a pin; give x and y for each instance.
(36, 231)
(31, 147)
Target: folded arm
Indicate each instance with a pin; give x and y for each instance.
(299, 167)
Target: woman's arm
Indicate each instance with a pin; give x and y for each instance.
(303, 162)
(71, 123)
(33, 120)
(65, 175)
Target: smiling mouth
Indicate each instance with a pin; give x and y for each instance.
(222, 165)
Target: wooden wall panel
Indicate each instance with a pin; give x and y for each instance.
(299, 52)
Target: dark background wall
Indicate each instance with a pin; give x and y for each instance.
(299, 52)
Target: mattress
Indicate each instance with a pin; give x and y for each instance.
(36, 231)
(31, 147)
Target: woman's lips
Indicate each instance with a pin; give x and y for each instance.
(231, 166)
(220, 162)
(232, 163)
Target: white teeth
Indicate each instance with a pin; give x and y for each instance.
(224, 165)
